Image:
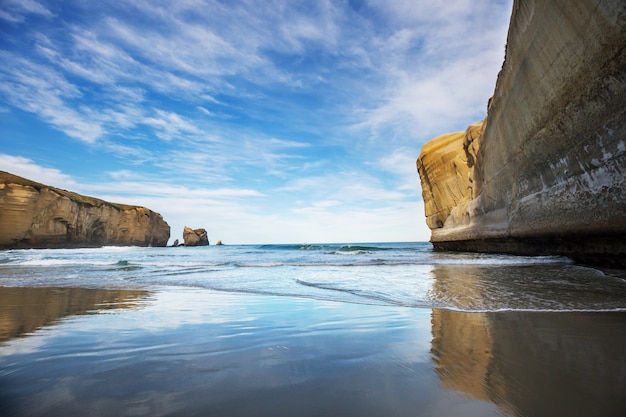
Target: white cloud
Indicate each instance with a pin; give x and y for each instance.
(174, 192)
(205, 111)
(41, 90)
(239, 215)
(438, 68)
(400, 161)
(200, 93)
(326, 203)
(14, 11)
(123, 174)
(170, 125)
(28, 169)
(194, 58)
(251, 223)
(349, 188)
(281, 143)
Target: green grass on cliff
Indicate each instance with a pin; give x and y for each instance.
(7, 178)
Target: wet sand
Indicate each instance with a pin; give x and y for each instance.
(182, 352)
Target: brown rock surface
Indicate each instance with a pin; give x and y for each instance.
(441, 160)
(195, 237)
(546, 174)
(34, 215)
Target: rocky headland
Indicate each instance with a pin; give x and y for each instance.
(34, 215)
(545, 172)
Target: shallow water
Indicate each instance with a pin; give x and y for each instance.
(403, 274)
(371, 330)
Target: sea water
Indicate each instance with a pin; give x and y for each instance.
(397, 274)
(376, 329)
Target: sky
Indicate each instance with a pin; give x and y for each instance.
(275, 121)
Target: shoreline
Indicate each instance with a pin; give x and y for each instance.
(178, 351)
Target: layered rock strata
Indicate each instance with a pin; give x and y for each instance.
(34, 215)
(545, 172)
(195, 237)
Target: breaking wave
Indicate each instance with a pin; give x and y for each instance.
(395, 274)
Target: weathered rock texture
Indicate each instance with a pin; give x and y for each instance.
(195, 237)
(545, 172)
(33, 215)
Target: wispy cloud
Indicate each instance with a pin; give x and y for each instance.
(169, 125)
(438, 67)
(166, 51)
(350, 188)
(297, 108)
(246, 215)
(14, 11)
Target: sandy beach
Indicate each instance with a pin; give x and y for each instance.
(180, 351)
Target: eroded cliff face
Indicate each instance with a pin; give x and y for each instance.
(34, 215)
(546, 172)
(446, 179)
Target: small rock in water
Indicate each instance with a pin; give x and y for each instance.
(195, 237)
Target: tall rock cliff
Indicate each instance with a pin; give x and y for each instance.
(34, 215)
(545, 172)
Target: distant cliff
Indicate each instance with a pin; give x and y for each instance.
(34, 215)
(545, 172)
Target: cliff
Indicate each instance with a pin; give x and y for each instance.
(544, 173)
(33, 215)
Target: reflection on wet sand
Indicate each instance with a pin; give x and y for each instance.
(461, 349)
(526, 287)
(25, 309)
(533, 363)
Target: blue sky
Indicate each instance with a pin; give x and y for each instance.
(262, 121)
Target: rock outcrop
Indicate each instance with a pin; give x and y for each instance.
(34, 215)
(545, 172)
(195, 237)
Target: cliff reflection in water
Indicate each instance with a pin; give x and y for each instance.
(531, 363)
(25, 309)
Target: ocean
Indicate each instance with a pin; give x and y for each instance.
(378, 329)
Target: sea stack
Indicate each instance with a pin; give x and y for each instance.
(545, 172)
(34, 215)
(195, 237)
